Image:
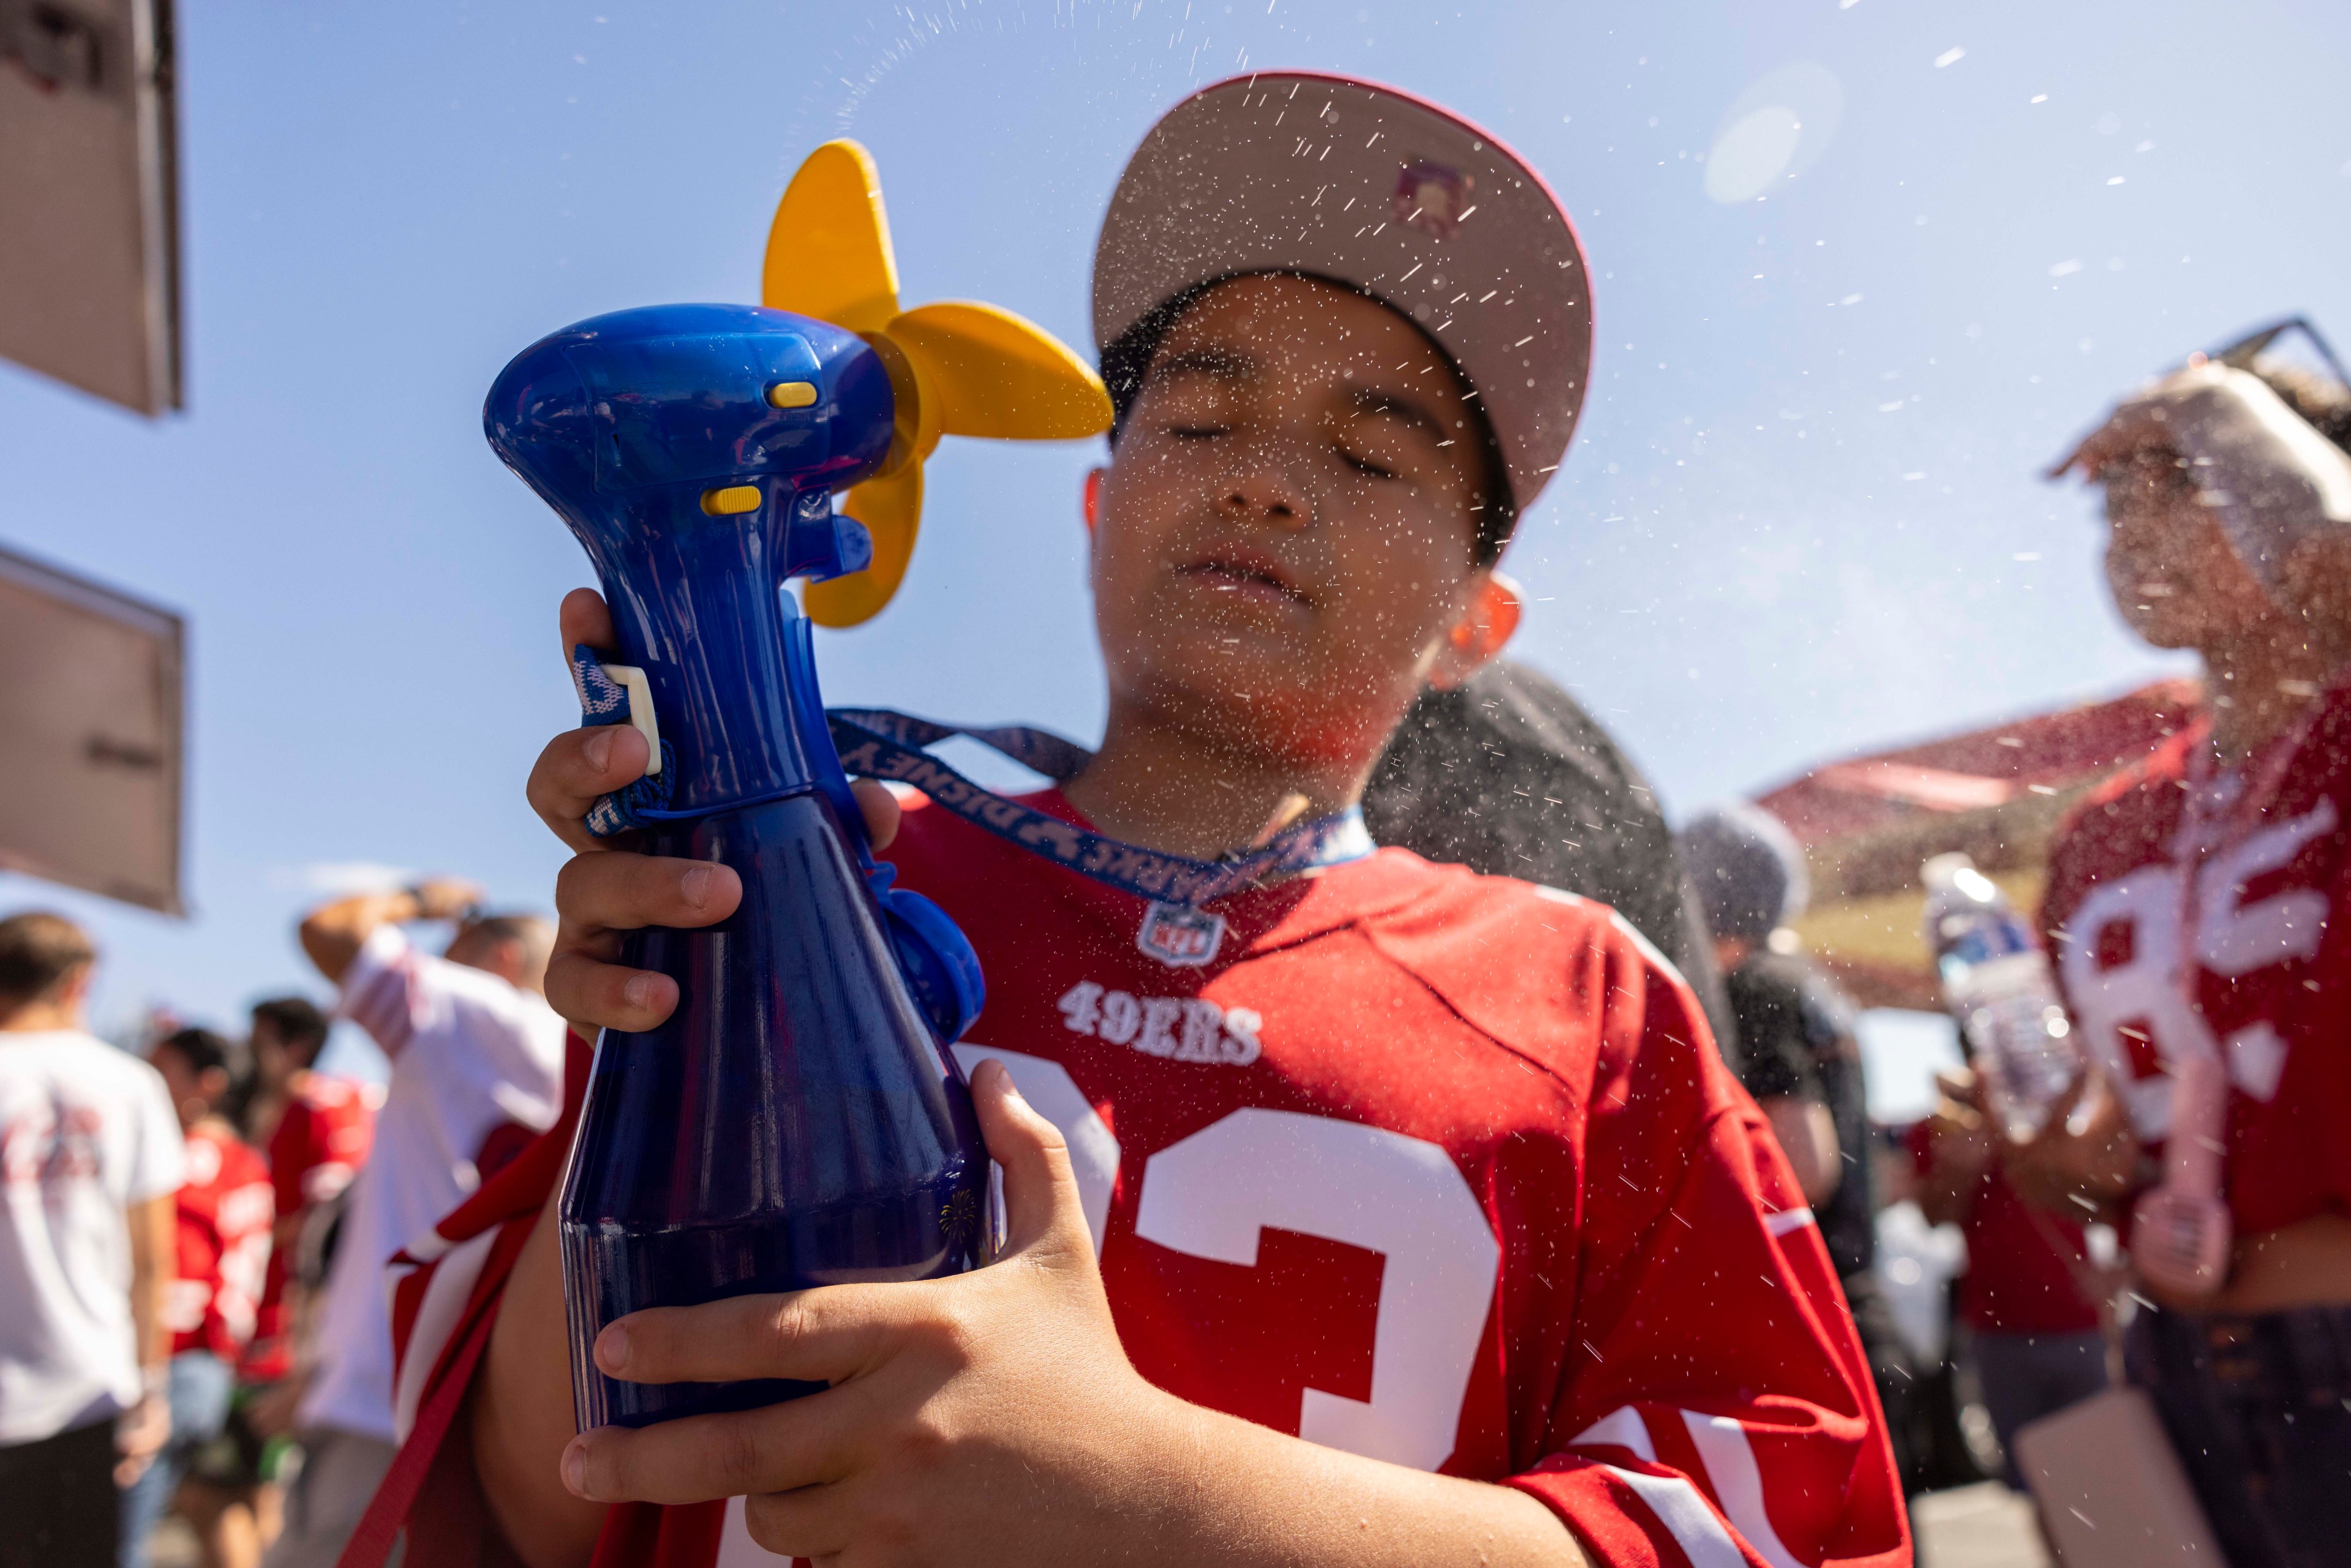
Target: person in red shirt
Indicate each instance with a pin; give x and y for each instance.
(1383, 1213)
(225, 1211)
(2029, 1298)
(2192, 908)
(318, 1127)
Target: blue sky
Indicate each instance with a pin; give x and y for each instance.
(1802, 516)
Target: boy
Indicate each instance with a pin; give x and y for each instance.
(1436, 1171)
(90, 1156)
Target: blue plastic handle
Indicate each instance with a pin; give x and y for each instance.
(797, 1120)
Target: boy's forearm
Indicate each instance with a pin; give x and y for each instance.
(1245, 1495)
(522, 1412)
(154, 1227)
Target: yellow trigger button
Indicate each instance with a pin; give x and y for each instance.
(792, 394)
(731, 499)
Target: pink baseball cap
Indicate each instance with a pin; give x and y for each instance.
(1303, 172)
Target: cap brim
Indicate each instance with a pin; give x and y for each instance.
(1348, 180)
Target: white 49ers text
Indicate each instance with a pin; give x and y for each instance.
(1183, 1029)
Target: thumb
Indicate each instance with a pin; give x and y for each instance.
(1040, 1191)
(880, 810)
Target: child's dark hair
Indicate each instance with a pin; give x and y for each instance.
(298, 1022)
(1126, 365)
(204, 1050)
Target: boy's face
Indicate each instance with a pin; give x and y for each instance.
(1286, 530)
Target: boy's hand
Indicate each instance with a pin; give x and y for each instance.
(970, 1418)
(605, 892)
(140, 1434)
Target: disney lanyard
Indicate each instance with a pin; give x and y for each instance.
(875, 743)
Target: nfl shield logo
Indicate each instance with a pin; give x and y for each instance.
(1181, 938)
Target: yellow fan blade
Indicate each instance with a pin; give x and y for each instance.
(890, 508)
(996, 374)
(829, 249)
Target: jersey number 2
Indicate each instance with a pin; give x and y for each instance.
(1212, 1193)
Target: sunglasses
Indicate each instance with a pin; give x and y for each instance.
(2257, 345)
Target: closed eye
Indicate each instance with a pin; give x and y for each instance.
(1197, 431)
(1366, 466)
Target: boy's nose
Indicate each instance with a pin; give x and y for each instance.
(1267, 495)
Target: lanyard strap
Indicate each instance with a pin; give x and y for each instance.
(876, 743)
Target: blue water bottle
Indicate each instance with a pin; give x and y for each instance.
(799, 1119)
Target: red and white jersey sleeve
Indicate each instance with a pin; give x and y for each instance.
(1719, 1409)
(2249, 967)
(225, 1211)
(1433, 1168)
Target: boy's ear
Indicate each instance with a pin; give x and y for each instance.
(1093, 499)
(1485, 627)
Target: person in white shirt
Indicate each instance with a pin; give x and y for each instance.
(90, 1156)
(477, 1061)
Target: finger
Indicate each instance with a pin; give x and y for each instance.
(577, 767)
(811, 1522)
(600, 896)
(618, 891)
(826, 1335)
(878, 807)
(585, 618)
(1040, 1191)
(783, 1446)
(589, 994)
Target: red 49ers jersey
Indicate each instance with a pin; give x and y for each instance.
(226, 1213)
(1433, 1167)
(2267, 969)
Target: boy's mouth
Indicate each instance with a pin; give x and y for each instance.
(1245, 573)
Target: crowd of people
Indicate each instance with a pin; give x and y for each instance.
(192, 1311)
(1695, 1364)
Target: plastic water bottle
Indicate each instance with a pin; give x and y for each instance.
(1996, 984)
